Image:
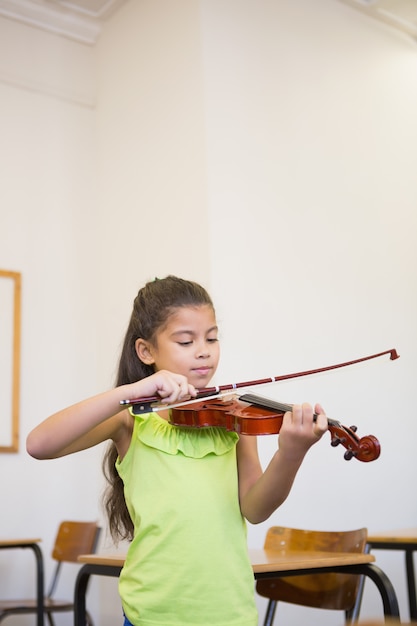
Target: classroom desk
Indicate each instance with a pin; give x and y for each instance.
(32, 544)
(266, 564)
(404, 540)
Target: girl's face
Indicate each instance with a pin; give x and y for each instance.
(187, 344)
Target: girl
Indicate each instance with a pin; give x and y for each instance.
(180, 495)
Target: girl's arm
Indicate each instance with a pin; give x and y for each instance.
(99, 418)
(261, 493)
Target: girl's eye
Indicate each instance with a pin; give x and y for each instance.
(190, 341)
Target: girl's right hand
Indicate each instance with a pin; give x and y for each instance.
(168, 386)
(99, 418)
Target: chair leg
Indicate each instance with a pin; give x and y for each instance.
(50, 618)
(270, 613)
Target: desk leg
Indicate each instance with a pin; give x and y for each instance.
(39, 583)
(388, 595)
(79, 596)
(81, 585)
(381, 580)
(411, 582)
(39, 575)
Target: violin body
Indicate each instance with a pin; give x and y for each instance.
(233, 415)
(253, 415)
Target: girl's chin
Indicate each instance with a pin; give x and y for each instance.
(200, 379)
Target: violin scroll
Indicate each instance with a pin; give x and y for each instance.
(364, 449)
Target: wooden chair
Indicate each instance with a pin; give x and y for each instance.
(325, 591)
(73, 539)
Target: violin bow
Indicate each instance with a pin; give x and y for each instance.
(146, 403)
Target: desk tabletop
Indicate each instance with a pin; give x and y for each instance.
(113, 560)
(402, 535)
(262, 560)
(16, 543)
(273, 561)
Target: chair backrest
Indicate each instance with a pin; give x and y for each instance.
(327, 591)
(75, 538)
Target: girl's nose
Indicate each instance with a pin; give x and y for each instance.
(202, 351)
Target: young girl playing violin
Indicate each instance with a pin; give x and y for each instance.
(180, 495)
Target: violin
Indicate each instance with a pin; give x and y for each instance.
(254, 415)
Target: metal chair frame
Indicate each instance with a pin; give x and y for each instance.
(73, 538)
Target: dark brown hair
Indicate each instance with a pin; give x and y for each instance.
(152, 307)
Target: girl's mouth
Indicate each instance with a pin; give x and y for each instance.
(202, 371)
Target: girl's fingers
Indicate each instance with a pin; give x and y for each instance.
(302, 414)
(172, 387)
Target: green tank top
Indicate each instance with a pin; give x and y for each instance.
(188, 563)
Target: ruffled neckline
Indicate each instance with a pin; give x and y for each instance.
(156, 432)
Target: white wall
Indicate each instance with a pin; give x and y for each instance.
(47, 161)
(311, 143)
(151, 155)
(267, 150)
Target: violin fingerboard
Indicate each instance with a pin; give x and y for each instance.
(265, 403)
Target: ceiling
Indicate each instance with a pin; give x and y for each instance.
(401, 14)
(82, 19)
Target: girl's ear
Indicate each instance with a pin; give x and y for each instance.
(144, 351)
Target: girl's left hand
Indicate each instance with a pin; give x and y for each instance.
(300, 430)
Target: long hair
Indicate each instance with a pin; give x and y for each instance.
(152, 307)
